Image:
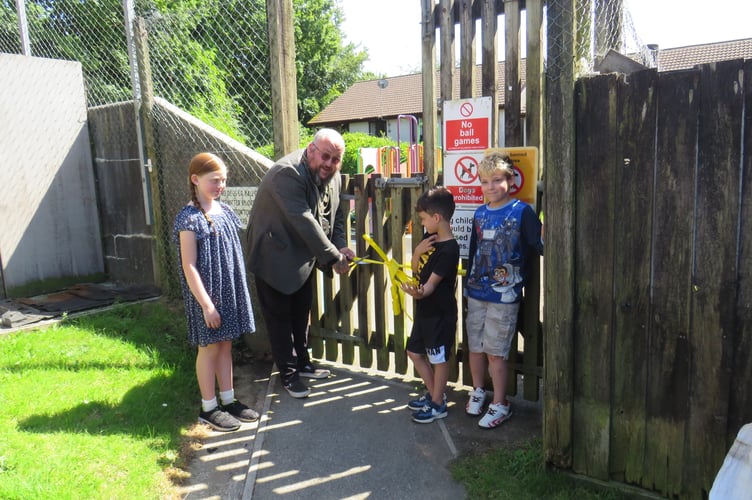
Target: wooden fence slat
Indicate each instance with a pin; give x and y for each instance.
(347, 292)
(513, 135)
(317, 321)
(532, 333)
(634, 177)
(714, 269)
(740, 407)
(560, 181)
(380, 289)
(596, 145)
(397, 221)
(363, 274)
(668, 361)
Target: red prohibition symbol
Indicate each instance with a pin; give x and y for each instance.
(466, 109)
(519, 181)
(466, 170)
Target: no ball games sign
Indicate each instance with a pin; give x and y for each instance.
(467, 124)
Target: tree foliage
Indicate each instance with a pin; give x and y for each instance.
(325, 67)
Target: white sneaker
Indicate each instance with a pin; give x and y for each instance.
(496, 415)
(475, 402)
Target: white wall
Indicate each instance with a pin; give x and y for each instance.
(358, 127)
(49, 226)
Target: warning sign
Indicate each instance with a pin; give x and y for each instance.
(462, 222)
(462, 179)
(525, 160)
(462, 135)
(467, 124)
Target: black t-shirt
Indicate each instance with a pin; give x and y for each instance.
(443, 260)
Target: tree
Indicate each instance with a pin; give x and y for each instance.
(325, 66)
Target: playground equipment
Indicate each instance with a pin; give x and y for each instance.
(386, 159)
(414, 150)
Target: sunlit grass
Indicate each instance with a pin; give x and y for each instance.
(95, 407)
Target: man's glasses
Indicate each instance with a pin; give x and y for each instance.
(327, 156)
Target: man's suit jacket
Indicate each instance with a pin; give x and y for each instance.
(285, 238)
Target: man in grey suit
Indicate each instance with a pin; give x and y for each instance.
(296, 225)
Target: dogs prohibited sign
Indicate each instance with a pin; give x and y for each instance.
(462, 179)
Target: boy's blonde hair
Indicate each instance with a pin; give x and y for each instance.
(496, 162)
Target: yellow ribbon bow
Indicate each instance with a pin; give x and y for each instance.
(397, 276)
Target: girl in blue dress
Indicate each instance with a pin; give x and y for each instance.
(217, 302)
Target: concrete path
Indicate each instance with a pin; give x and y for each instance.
(351, 438)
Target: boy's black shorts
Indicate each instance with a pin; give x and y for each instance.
(434, 336)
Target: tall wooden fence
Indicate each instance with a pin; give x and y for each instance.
(661, 345)
(354, 319)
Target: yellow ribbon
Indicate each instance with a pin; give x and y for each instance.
(396, 274)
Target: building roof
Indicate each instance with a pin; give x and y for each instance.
(693, 55)
(402, 95)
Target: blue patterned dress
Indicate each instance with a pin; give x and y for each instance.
(220, 264)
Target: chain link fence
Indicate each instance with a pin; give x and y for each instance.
(597, 27)
(209, 58)
(208, 70)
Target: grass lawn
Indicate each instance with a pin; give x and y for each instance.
(96, 407)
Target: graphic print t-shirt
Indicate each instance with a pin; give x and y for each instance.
(502, 241)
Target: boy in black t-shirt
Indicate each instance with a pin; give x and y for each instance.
(434, 263)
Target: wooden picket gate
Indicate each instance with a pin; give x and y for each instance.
(353, 319)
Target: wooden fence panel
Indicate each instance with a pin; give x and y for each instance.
(714, 270)
(740, 408)
(667, 361)
(662, 257)
(594, 240)
(633, 210)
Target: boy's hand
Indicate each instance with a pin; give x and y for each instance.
(425, 245)
(415, 291)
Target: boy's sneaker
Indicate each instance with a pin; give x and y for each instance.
(311, 371)
(429, 413)
(496, 415)
(219, 420)
(241, 411)
(418, 404)
(475, 402)
(297, 389)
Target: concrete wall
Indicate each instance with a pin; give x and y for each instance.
(127, 238)
(50, 225)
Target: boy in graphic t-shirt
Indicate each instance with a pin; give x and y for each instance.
(506, 234)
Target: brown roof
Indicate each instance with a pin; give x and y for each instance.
(692, 55)
(366, 100)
